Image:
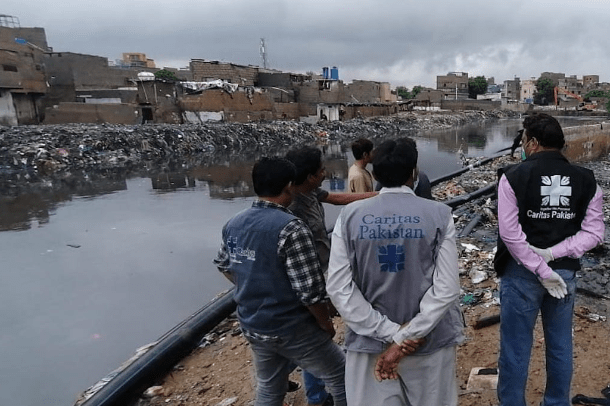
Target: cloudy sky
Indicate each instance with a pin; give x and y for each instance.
(404, 42)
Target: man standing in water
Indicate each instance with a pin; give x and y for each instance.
(549, 214)
(279, 288)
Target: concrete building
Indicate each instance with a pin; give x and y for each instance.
(454, 85)
(572, 85)
(205, 71)
(554, 77)
(528, 89)
(22, 81)
(590, 82)
(365, 91)
(512, 90)
(137, 60)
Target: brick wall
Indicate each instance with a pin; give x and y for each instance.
(312, 93)
(204, 71)
(470, 105)
(92, 113)
(219, 100)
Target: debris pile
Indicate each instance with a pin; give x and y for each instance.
(52, 148)
(477, 246)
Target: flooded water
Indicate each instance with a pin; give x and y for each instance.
(97, 267)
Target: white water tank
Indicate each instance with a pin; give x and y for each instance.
(146, 76)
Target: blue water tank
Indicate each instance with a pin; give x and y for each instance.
(334, 73)
(325, 74)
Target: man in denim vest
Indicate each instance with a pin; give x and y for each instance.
(393, 278)
(270, 256)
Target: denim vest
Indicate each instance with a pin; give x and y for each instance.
(393, 240)
(266, 302)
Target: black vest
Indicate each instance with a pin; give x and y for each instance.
(553, 196)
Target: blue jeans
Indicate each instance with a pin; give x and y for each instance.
(311, 348)
(522, 296)
(314, 389)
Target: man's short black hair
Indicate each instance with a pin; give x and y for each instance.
(394, 161)
(271, 175)
(545, 128)
(360, 146)
(307, 160)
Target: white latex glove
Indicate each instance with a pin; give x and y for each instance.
(545, 253)
(555, 285)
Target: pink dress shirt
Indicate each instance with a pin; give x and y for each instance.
(590, 235)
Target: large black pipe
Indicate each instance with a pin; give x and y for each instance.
(461, 199)
(457, 173)
(172, 347)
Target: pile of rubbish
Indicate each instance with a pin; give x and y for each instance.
(55, 148)
(477, 232)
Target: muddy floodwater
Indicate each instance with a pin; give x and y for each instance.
(100, 267)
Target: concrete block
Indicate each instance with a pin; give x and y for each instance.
(482, 378)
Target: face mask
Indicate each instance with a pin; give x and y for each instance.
(523, 156)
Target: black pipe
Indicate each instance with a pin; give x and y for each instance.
(470, 226)
(459, 200)
(172, 347)
(457, 173)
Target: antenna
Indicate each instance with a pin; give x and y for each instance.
(263, 53)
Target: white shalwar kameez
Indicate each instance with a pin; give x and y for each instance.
(430, 379)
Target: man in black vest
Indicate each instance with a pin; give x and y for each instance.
(549, 214)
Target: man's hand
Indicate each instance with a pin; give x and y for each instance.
(387, 363)
(328, 327)
(320, 312)
(555, 285)
(332, 310)
(408, 347)
(545, 253)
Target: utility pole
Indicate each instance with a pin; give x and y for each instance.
(263, 53)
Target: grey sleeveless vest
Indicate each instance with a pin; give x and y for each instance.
(392, 242)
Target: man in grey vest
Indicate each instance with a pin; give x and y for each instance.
(393, 277)
(270, 255)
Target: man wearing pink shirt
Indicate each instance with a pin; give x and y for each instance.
(549, 215)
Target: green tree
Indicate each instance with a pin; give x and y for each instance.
(406, 94)
(476, 86)
(403, 92)
(544, 94)
(165, 74)
(416, 90)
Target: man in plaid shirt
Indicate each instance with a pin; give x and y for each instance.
(270, 256)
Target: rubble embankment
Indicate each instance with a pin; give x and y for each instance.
(49, 149)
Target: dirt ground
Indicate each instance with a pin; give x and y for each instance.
(223, 370)
(221, 374)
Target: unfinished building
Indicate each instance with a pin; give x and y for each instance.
(22, 81)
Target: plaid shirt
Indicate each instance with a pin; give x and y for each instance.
(296, 249)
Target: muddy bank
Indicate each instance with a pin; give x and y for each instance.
(52, 149)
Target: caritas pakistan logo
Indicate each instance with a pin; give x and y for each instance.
(555, 190)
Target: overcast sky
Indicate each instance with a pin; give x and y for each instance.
(404, 42)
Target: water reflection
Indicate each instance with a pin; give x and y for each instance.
(33, 200)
